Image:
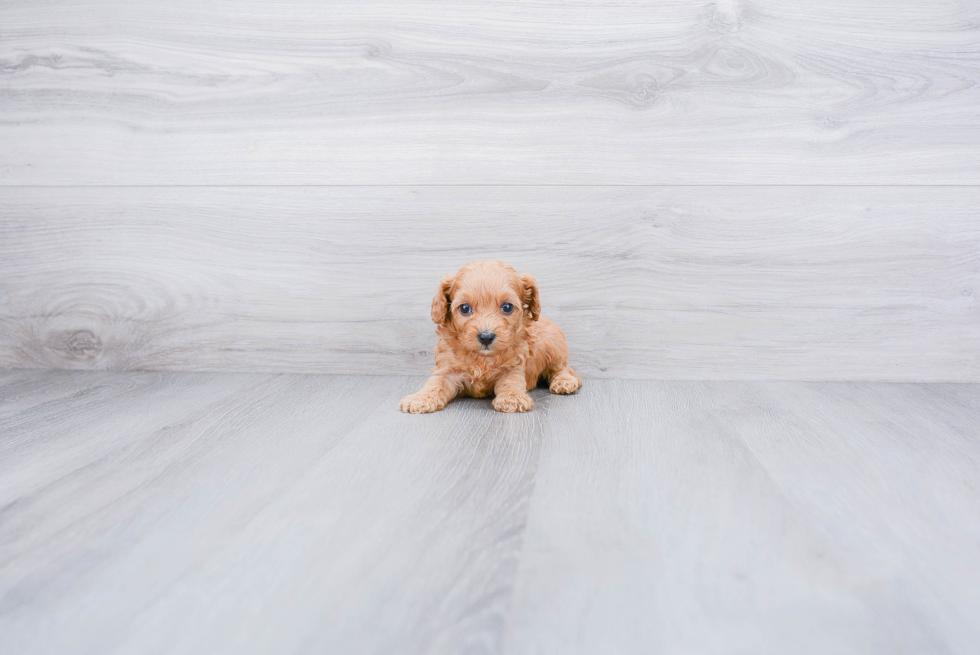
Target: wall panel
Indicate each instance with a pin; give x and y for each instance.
(648, 282)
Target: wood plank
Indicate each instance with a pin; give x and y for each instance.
(333, 521)
(405, 540)
(101, 422)
(888, 473)
(647, 282)
(752, 517)
(25, 390)
(502, 92)
(178, 485)
(260, 513)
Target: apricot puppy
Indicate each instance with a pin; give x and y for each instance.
(492, 339)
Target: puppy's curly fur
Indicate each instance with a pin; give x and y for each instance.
(492, 338)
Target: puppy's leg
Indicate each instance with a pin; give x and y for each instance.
(564, 380)
(510, 393)
(437, 391)
(551, 358)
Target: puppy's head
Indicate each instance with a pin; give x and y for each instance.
(485, 306)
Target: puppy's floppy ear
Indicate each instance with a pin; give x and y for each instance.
(441, 301)
(532, 306)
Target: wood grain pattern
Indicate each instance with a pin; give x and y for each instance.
(502, 92)
(321, 478)
(791, 283)
(668, 499)
(242, 513)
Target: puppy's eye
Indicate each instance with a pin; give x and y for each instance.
(465, 309)
(507, 308)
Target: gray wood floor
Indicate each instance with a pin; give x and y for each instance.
(238, 513)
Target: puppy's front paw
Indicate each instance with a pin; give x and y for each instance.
(421, 403)
(513, 402)
(565, 382)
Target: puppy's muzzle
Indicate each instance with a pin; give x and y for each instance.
(486, 338)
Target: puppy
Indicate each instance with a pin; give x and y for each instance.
(492, 339)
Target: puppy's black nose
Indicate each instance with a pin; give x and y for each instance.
(486, 338)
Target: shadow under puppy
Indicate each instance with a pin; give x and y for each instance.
(492, 339)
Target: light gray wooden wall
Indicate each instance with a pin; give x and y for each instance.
(704, 190)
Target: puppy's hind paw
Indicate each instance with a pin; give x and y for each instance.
(513, 402)
(420, 403)
(565, 382)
